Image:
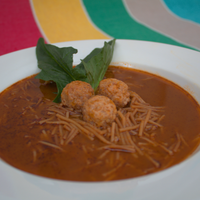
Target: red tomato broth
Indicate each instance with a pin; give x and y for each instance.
(20, 132)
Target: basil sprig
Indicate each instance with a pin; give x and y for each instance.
(56, 65)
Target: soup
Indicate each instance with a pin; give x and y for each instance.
(46, 139)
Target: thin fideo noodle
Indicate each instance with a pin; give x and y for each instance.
(132, 125)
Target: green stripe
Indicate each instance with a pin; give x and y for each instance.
(113, 19)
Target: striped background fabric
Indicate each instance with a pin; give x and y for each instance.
(22, 22)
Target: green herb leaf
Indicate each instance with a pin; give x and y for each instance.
(97, 62)
(56, 64)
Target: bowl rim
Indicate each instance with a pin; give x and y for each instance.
(16, 64)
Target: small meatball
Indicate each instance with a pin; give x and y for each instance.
(99, 111)
(76, 93)
(116, 90)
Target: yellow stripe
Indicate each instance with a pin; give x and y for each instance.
(64, 20)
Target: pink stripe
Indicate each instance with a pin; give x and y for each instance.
(18, 29)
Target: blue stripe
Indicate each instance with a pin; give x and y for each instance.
(186, 9)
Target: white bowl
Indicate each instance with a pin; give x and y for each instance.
(180, 65)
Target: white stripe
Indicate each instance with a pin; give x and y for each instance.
(189, 33)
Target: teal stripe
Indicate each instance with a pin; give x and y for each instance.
(113, 19)
(186, 9)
